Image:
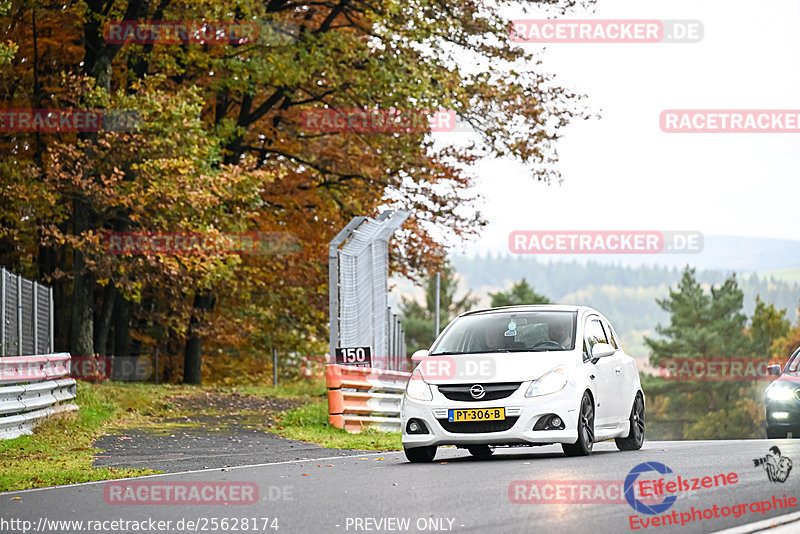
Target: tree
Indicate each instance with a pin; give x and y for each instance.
(222, 147)
(520, 293)
(766, 326)
(703, 326)
(418, 319)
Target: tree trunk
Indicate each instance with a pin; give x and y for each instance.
(82, 325)
(193, 356)
(122, 324)
(104, 320)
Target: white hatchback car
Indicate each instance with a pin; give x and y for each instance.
(523, 375)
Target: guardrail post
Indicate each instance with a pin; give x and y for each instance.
(52, 346)
(19, 314)
(274, 367)
(35, 292)
(2, 311)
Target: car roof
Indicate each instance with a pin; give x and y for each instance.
(530, 308)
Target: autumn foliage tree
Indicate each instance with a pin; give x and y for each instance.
(221, 146)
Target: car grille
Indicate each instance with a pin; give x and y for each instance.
(460, 392)
(475, 427)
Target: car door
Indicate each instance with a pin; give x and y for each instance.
(629, 374)
(602, 373)
(625, 375)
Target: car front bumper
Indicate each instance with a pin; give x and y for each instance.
(783, 425)
(528, 411)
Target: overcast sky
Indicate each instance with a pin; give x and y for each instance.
(731, 184)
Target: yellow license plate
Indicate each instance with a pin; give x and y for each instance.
(478, 414)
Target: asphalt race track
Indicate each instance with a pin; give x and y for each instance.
(381, 492)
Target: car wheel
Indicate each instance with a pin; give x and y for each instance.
(635, 438)
(481, 451)
(583, 447)
(421, 454)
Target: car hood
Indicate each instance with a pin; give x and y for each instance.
(786, 379)
(492, 367)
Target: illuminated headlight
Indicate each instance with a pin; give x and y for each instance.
(551, 382)
(780, 394)
(417, 388)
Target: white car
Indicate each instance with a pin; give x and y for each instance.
(523, 375)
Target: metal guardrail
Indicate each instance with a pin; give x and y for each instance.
(363, 397)
(26, 316)
(31, 388)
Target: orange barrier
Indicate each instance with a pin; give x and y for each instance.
(361, 397)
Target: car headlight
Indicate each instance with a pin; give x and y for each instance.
(417, 388)
(553, 381)
(780, 393)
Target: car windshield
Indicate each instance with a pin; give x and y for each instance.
(793, 367)
(508, 332)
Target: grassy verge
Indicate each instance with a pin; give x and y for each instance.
(60, 449)
(310, 423)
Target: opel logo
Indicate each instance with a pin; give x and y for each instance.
(477, 391)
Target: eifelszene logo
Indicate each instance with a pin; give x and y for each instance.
(630, 496)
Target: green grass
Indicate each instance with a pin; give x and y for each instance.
(304, 389)
(310, 423)
(60, 452)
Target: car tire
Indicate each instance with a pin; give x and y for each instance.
(635, 438)
(583, 447)
(481, 451)
(420, 454)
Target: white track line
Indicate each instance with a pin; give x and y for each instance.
(762, 525)
(211, 470)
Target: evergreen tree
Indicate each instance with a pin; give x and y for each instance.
(418, 319)
(520, 293)
(704, 326)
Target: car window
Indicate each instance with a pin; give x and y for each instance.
(612, 338)
(793, 366)
(534, 331)
(594, 332)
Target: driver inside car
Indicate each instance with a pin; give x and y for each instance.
(560, 333)
(494, 338)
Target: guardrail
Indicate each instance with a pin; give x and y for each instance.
(31, 388)
(362, 397)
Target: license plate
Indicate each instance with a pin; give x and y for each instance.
(476, 414)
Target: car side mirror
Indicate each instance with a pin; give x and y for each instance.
(419, 355)
(774, 370)
(601, 350)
